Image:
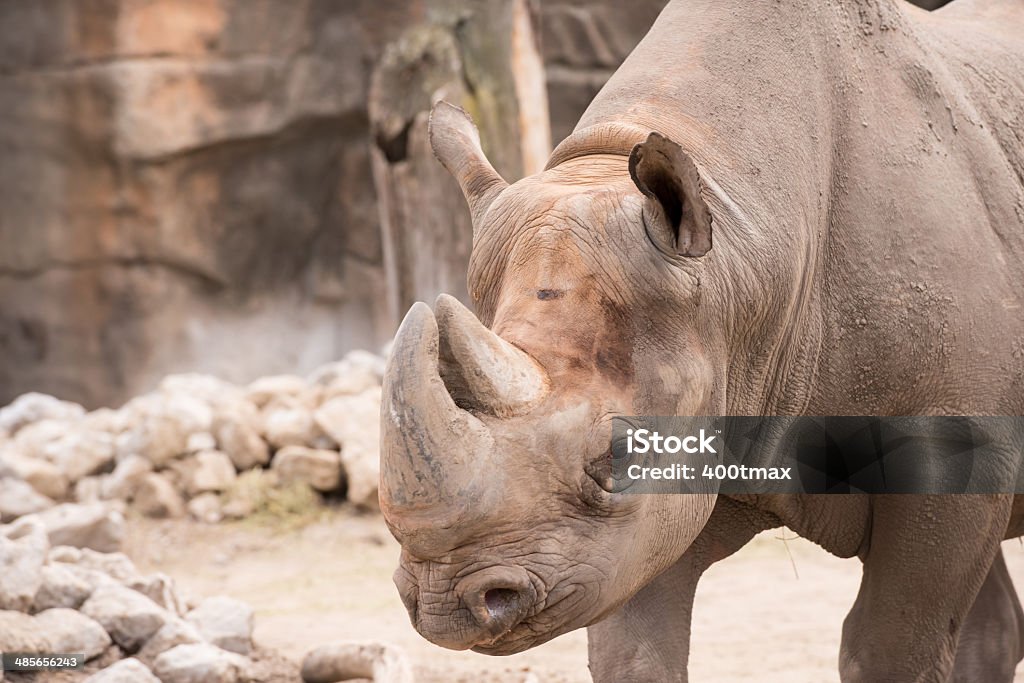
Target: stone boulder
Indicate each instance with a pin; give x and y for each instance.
(33, 407)
(92, 525)
(23, 549)
(354, 422)
(208, 471)
(45, 477)
(175, 632)
(18, 498)
(81, 452)
(52, 631)
(128, 616)
(288, 422)
(61, 587)
(356, 660)
(129, 670)
(225, 622)
(155, 496)
(200, 663)
(124, 480)
(320, 469)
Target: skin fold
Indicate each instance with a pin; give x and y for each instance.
(772, 208)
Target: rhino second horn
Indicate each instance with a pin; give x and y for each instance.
(482, 371)
(430, 448)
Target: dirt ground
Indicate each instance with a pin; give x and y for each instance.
(771, 613)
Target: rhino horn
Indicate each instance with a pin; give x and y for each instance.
(432, 451)
(456, 144)
(482, 371)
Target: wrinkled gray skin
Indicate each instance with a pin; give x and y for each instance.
(830, 221)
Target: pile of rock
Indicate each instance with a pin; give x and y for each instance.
(183, 447)
(130, 627)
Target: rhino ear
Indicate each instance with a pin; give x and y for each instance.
(456, 144)
(670, 180)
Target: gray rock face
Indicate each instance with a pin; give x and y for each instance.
(225, 622)
(321, 469)
(128, 616)
(92, 525)
(55, 630)
(23, 549)
(249, 152)
(200, 663)
(129, 670)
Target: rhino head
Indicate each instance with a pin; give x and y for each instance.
(496, 430)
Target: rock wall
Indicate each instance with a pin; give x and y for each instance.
(184, 185)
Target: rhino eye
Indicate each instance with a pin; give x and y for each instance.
(600, 471)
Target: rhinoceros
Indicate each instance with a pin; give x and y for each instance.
(772, 208)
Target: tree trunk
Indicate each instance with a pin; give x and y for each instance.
(481, 55)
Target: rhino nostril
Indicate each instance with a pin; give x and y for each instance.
(501, 601)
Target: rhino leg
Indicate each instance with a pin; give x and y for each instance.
(648, 638)
(992, 638)
(927, 560)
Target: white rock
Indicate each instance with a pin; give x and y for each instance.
(288, 423)
(129, 670)
(207, 388)
(155, 496)
(33, 407)
(89, 489)
(200, 663)
(354, 422)
(61, 587)
(175, 632)
(23, 550)
(200, 441)
(239, 437)
(321, 469)
(105, 420)
(225, 622)
(115, 565)
(92, 525)
(33, 438)
(81, 452)
(265, 389)
(52, 631)
(73, 632)
(346, 661)
(206, 508)
(161, 424)
(123, 481)
(207, 471)
(128, 616)
(45, 477)
(18, 498)
(160, 589)
(355, 363)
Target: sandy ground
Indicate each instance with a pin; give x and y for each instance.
(771, 613)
